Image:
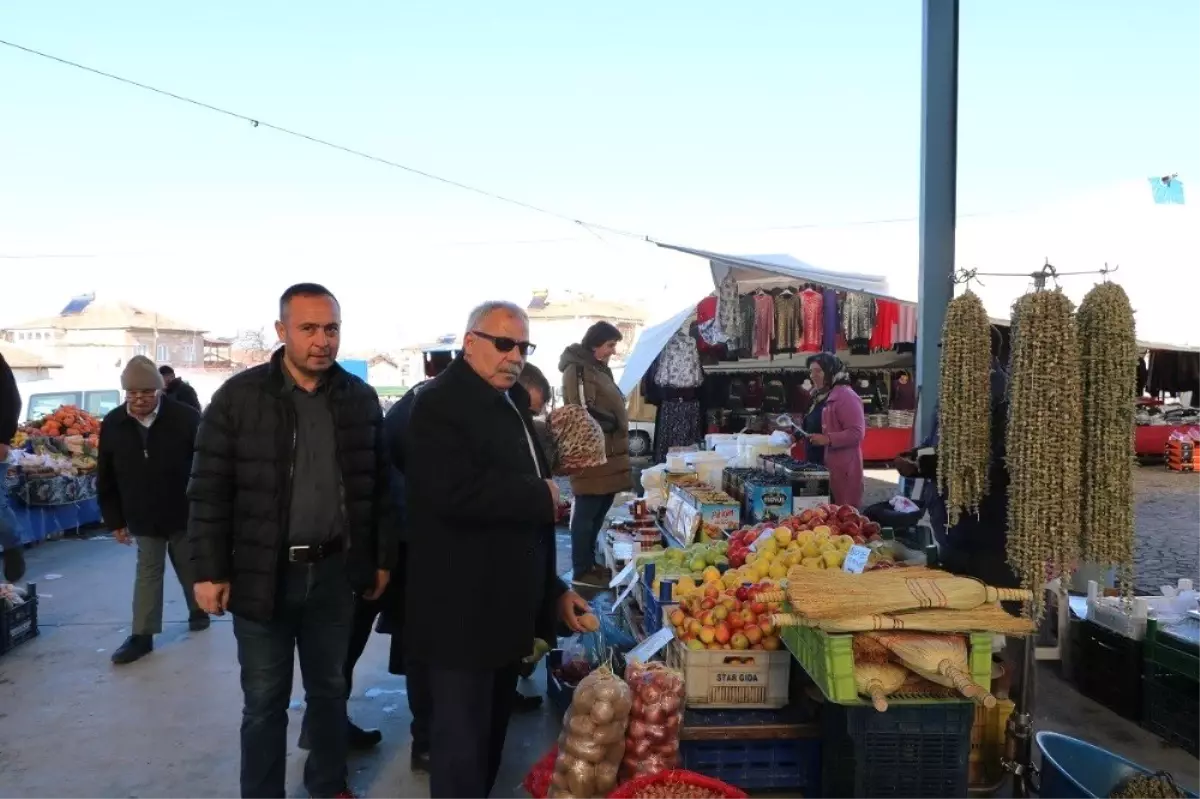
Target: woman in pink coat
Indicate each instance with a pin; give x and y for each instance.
(843, 424)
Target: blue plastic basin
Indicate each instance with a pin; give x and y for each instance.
(1075, 769)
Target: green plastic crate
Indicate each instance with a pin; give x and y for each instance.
(1171, 653)
(829, 660)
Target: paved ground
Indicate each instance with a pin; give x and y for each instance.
(73, 725)
(1168, 527)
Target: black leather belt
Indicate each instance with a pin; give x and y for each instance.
(312, 553)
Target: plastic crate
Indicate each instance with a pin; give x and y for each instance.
(19, 624)
(1110, 668)
(987, 743)
(744, 679)
(1172, 652)
(909, 751)
(654, 609)
(754, 749)
(829, 660)
(1130, 621)
(1170, 708)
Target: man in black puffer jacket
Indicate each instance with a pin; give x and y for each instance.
(289, 508)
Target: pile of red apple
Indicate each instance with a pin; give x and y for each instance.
(837, 519)
(730, 619)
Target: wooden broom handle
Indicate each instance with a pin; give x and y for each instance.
(1008, 595)
(965, 685)
(878, 696)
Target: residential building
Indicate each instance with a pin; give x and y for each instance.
(27, 366)
(559, 320)
(103, 335)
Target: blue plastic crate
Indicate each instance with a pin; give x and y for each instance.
(793, 764)
(909, 751)
(652, 620)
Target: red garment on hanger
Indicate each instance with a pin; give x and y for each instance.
(812, 325)
(887, 319)
(706, 311)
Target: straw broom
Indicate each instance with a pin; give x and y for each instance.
(989, 618)
(878, 681)
(938, 658)
(832, 594)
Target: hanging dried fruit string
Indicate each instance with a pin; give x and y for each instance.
(1108, 348)
(1044, 441)
(964, 412)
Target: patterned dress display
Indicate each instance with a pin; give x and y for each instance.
(764, 324)
(787, 322)
(813, 328)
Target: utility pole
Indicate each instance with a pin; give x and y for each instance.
(939, 178)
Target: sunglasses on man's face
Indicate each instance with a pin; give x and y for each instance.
(506, 344)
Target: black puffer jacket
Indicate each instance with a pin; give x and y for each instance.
(240, 488)
(142, 474)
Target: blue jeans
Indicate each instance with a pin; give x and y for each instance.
(314, 614)
(587, 517)
(9, 537)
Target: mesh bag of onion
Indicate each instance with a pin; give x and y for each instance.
(676, 785)
(652, 738)
(592, 741)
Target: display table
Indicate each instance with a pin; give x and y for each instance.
(884, 444)
(38, 523)
(880, 444)
(1151, 439)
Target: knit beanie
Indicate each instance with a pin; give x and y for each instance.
(141, 375)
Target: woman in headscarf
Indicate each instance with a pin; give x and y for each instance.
(836, 425)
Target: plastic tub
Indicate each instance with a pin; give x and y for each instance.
(1075, 769)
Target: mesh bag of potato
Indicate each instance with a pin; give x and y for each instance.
(652, 737)
(592, 742)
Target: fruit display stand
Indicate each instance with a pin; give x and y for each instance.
(51, 482)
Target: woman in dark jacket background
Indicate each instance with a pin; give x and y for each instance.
(584, 366)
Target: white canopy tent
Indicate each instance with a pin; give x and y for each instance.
(757, 270)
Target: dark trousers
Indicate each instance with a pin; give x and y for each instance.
(471, 709)
(587, 517)
(313, 615)
(416, 676)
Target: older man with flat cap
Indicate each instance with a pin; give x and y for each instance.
(145, 460)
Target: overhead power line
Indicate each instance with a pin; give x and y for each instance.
(260, 123)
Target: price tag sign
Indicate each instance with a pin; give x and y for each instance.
(651, 646)
(625, 594)
(687, 522)
(856, 559)
(620, 577)
(763, 536)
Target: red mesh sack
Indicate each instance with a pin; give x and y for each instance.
(677, 784)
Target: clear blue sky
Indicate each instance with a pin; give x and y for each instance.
(661, 118)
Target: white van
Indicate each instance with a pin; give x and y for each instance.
(43, 397)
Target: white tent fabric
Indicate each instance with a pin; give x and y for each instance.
(783, 268)
(648, 346)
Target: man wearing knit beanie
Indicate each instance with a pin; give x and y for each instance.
(145, 458)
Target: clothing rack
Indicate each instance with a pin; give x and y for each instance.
(1039, 277)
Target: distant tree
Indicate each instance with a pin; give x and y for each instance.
(252, 346)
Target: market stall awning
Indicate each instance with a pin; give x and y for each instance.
(782, 268)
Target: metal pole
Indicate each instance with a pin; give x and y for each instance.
(939, 163)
